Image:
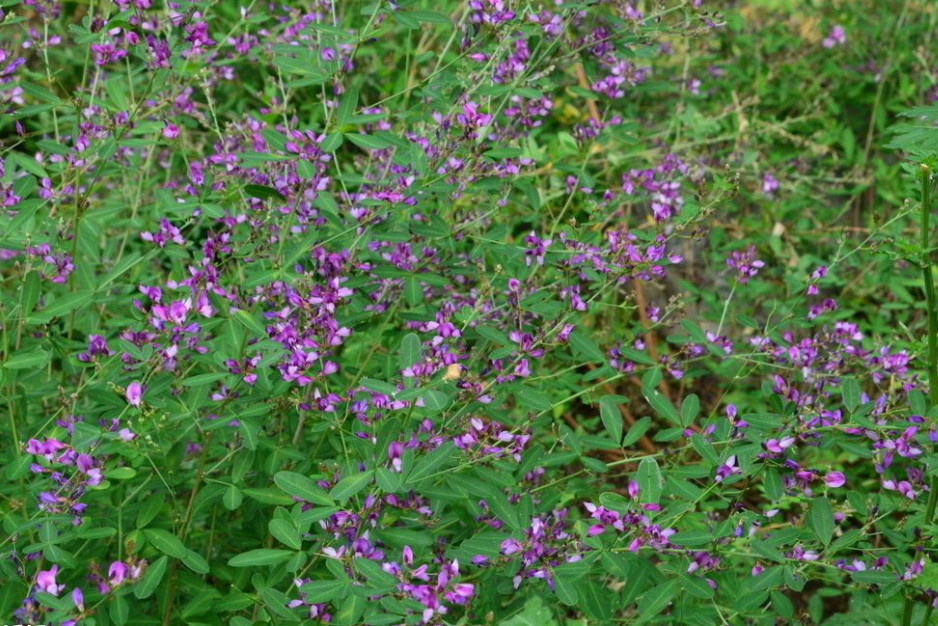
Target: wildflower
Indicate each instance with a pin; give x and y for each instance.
(134, 393)
(835, 479)
(745, 263)
(769, 184)
(836, 37)
(45, 581)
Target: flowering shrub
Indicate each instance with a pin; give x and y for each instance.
(409, 312)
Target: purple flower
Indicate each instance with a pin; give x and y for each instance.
(836, 37)
(79, 599)
(116, 573)
(45, 581)
(727, 469)
(134, 393)
(769, 184)
(745, 263)
(835, 479)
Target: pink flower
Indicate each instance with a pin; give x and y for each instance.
(836, 37)
(116, 573)
(45, 581)
(134, 393)
(835, 479)
(170, 131)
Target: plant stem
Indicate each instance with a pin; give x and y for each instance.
(932, 324)
(932, 310)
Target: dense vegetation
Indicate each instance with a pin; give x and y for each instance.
(484, 311)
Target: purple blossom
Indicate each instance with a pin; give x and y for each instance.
(45, 581)
(769, 184)
(835, 479)
(836, 37)
(134, 393)
(745, 263)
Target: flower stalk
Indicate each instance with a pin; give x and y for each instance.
(932, 381)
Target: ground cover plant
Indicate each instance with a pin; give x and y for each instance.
(469, 312)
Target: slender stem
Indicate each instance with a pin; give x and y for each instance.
(932, 381)
(907, 611)
(726, 306)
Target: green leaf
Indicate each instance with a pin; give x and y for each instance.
(661, 405)
(696, 586)
(276, 602)
(149, 509)
(430, 17)
(585, 345)
(615, 501)
(232, 498)
(611, 417)
(194, 561)
(503, 509)
(165, 542)
(533, 399)
(821, 520)
(492, 334)
(595, 600)
(263, 192)
(30, 293)
(267, 495)
(656, 599)
(373, 572)
(413, 291)
(350, 611)
(250, 322)
(119, 611)
(347, 106)
(850, 389)
(350, 485)
(874, 577)
(204, 379)
(259, 557)
(62, 305)
(318, 591)
(29, 164)
(772, 482)
(649, 481)
(434, 400)
(301, 67)
(250, 430)
(639, 428)
(369, 142)
(34, 359)
(302, 487)
(200, 604)
(286, 533)
(431, 462)
(120, 473)
(565, 589)
(689, 410)
(691, 538)
(151, 578)
(379, 386)
(388, 481)
(410, 351)
(637, 356)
